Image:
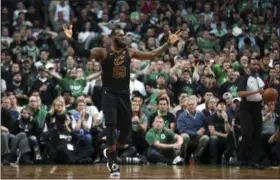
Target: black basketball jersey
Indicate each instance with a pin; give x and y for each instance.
(116, 70)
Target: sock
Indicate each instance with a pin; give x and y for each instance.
(120, 146)
(112, 155)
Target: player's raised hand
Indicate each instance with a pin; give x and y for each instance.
(68, 32)
(173, 38)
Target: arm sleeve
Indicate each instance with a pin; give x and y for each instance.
(144, 120)
(216, 68)
(79, 50)
(150, 138)
(242, 83)
(170, 134)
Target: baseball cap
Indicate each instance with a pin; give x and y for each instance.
(236, 99)
(227, 95)
(221, 101)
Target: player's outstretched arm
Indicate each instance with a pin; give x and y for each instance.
(79, 50)
(95, 53)
(173, 38)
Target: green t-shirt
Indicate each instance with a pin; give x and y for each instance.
(221, 76)
(75, 86)
(205, 45)
(135, 15)
(153, 98)
(87, 73)
(253, 28)
(31, 51)
(242, 6)
(153, 77)
(233, 90)
(191, 19)
(267, 29)
(165, 136)
(219, 33)
(235, 65)
(40, 116)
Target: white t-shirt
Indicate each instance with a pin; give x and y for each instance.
(84, 35)
(200, 107)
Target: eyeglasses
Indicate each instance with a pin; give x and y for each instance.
(32, 101)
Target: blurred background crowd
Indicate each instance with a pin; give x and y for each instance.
(57, 117)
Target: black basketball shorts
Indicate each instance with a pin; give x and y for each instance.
(116, 106)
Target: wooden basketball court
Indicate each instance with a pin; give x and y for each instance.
(136, 172)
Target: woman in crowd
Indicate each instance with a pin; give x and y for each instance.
(82, 123)
(139, 128)
(15, 109)
(210, 107)
(57, 108)
(268, 127)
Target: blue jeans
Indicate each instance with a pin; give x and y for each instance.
(155, 156)
(34, 143)
(216, 145)
(88, 139)
(85, 136)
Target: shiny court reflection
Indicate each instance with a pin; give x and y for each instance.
(135, 171)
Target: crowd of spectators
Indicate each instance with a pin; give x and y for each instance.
(51, 106)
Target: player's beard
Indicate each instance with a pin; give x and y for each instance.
(120, 44)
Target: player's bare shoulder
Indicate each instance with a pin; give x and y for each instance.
(98, 53)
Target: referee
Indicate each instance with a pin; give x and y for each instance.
(250, 89)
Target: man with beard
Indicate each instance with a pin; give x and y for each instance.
(264, 71)
(250, 89)
(185, 85)
(18, 88)
(230, 85)
(115, 61)
(28, 72)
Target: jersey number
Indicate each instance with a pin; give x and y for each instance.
(119, 72)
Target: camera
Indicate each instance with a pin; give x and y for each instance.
(61, 121)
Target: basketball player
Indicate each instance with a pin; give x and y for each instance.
(115, 62)
(250, 88)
